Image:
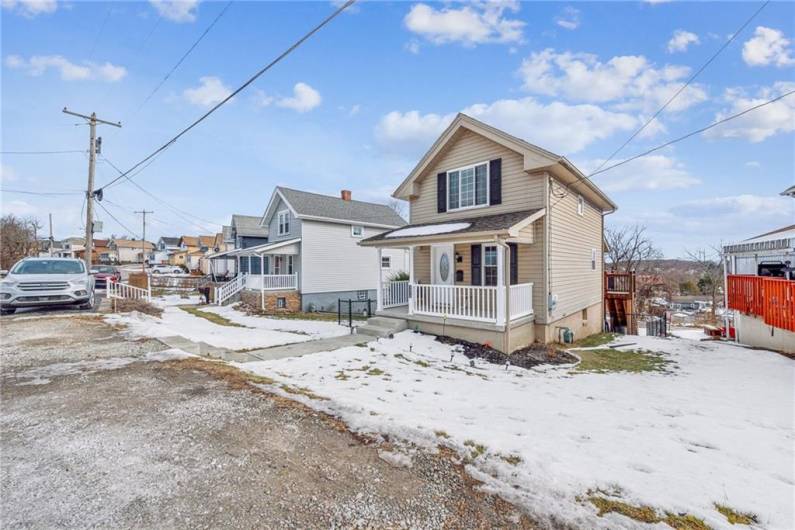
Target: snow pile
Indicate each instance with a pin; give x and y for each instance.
(316, 329)
(258, 333)
(719, 428)
(177, 299)
(429, 230)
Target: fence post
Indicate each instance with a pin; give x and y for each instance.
(350, 313)
(339, 311)
(369, 307)
(148, 288)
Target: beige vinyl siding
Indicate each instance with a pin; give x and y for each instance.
(520, 191)
(531, 267)
(332, 260)
(422, 264)
(571, 240)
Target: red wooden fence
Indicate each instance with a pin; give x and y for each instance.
(770, 298)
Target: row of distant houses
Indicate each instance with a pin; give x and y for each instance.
(106, 251)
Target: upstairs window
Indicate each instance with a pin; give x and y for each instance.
(593, 259)
(580, 205)
(357, 230)
(386, 262)
(468, 187)
(284, 222)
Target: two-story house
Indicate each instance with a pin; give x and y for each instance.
(312, 257)
(504, 242)
(164, 248)
(132, 250)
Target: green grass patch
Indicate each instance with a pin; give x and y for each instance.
(375, 371)
(647, 514)
(685, 522)
(476, 448)
(302, 392)
(514, 460)
(735, 517)
(300, 315)
(422, 363)
(598, 339)
(441, 434)
(342, 376)
(606, 360)
(212, 317)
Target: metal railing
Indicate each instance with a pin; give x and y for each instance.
(395, 293)
(229, 289)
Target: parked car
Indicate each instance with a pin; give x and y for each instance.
(37, 282)
(166, 269)
(104, 274)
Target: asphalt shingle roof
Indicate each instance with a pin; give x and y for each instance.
(170, 241)
(316, 205)
(248, 225)
(485, 223)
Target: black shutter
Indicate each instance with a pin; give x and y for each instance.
(514, 263)
(441, 192)
(475, 261)
(495, 181)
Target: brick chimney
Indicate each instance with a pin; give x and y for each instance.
(345, 195)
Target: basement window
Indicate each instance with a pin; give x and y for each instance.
(281, 303)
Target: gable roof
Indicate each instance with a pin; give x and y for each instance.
(314, 206)
(535, 158)
(249, 226)
(132, 243)
(200, 241)
(170, 241)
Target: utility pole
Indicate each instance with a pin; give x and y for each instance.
(143, 240)
(52, 241)
(92, 159)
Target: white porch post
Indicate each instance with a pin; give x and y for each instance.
(262, 279)
(411, 281)
(501, 285)
(379, 294)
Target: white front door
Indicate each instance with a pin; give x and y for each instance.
(443, 264)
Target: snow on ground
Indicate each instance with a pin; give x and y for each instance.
(429, 230)
(689, 333)
(177, 299)
(719, 428)
(258, 332)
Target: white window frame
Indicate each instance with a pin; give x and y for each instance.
(474, 184)
(580, 205)
(388, 262)
(283, 218)
(483, 264)
(353, 231)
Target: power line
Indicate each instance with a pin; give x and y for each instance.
(99, 34)
(117, 221)
(688, 135)
(28, 192)
(684, 86)
(43, 152)
(184, 56)
(245, 85)
(176, 210)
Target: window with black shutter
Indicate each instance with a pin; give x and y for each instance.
(475, 264)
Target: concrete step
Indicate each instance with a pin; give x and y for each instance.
(394, 324)
(374, 331)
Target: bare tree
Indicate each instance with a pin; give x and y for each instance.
(398, 206)
(17, 239)
(709, 263)
(629, 247)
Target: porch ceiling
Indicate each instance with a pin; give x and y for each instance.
(487, 227)
(289, 246)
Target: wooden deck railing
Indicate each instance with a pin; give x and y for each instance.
(619, 282)
(773, 299)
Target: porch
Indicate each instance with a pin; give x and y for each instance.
(266, 267)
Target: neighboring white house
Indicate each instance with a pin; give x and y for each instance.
(312, 257)
(164, 248)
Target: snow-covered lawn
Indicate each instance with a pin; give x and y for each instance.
(717, 428)
(254, 331)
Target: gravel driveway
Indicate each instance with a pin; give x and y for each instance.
(101, 442)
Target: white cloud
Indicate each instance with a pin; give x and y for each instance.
(629, 81)
(211, 90)
(738, 207)
(653, 172)
(474, 23)
(767, 46)
(681, 40)
(566, 128)
(569, 19)
(753, 164)
(756, 126)
(31, 8)
(18, 207)
(69, 71)
(354, 110)
(412, 46)
(7, 174)
(304, 99)
(176, 10)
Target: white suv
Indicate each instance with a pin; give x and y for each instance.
(166, 269)
(37, 282)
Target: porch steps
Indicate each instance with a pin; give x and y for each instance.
(382, 326)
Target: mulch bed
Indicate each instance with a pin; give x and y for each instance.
(125, 305)
(533, 355)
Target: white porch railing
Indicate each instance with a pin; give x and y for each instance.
(229, 289)
(271, 282)
(395, 293)
(121, 290)
(521, 300)
(467, 302)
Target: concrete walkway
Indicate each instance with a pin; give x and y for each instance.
(265, 354)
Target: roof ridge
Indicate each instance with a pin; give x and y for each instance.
(325, 196)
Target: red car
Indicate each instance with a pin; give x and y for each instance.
(103, 274)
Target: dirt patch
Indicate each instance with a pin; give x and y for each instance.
(533, 355)
(127, 305)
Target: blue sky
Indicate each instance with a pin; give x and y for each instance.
(359, 103)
